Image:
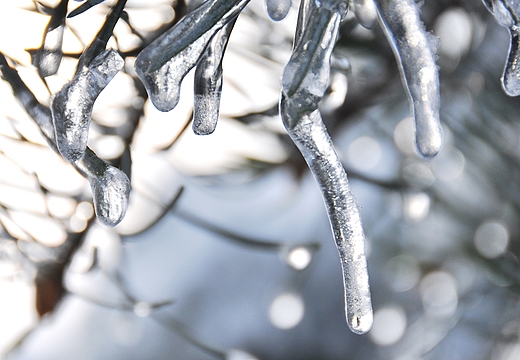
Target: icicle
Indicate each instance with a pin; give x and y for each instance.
(278, 9)
(110, 186)
(208, 82)
(412, 48)
(365, 12)
(164, 63)
(507, 13)
(72, 106)
(304, 82)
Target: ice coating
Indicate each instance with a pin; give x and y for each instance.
(108, 183)
(72, 106)
(365, 12)
(278, 9)
(304, 82)
(413, 50)
(506, 13)
(163, 64)
(208, 82)
(47, 59)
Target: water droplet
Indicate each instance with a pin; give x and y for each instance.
(365, 12)
(142, 309)
(491, 239)
(286, 311)
(298, 257)
(389, 326)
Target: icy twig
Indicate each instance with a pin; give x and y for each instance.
(304, 82)
(48, 57)
(72, 106)
(507, 14)
(109, 185)
(164, 63)
(413, 50)
(208, 82)
(278, 9)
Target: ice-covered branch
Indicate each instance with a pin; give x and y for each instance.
(110, 186)
(413, 50)
(72, 106)
(304, 82)
(164, 63)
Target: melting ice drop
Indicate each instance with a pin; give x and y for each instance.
(365, 12)
(278, 9)
(411, 43)
(72, 106)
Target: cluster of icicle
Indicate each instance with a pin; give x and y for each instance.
(199, 40)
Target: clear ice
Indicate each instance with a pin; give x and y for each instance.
(72, 106)
(278, 9)
(47, 59)
(110, 186)
(413, 50)
(208, 83)
(506, 13)
(164, 63)
(365, 12)
(304, 83)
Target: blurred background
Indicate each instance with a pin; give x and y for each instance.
(226, 251)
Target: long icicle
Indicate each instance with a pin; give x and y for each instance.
(304, 82)
(413, 50)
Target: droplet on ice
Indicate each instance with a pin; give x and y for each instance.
(110, 188)
(278, 9)
(208, 83)
(72, 106)
(304, 82)
(411, 43)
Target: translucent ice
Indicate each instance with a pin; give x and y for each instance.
(109, 185)
(413, 49)
(304, 82)
(365, 12)
(506, 12)
(208, 83)
(278, 9)
(162, 65)
(47, 59)
(72, 106)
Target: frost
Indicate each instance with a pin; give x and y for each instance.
(304, 82)
(412, 48)
(208, 83)
(506, 13)
(72, 106)
(278, 9)
(164, 63)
